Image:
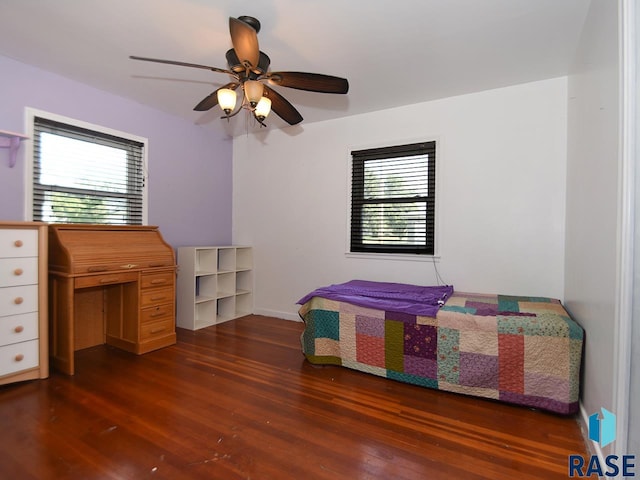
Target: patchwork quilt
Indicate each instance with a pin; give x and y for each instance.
(520, 350)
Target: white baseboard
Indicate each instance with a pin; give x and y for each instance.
(274, 313)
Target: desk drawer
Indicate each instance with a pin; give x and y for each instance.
(160, 279)
(156, 296)
(18, 328)
(17, 300)
(18, 242)
(105, 279)
(18, 356)
(155, 314)
(18, 271)
(156, 329)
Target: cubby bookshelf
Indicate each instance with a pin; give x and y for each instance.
(215, 284)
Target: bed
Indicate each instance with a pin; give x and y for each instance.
(515, 349)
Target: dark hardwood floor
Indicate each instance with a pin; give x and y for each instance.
(238, 401)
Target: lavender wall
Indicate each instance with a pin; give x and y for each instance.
(190, 166)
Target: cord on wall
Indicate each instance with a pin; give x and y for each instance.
(438, 277)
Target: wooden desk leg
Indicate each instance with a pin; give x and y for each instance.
(61, 315)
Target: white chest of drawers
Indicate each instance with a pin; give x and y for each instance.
(23, 302)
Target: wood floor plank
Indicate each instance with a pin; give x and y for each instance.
(239, 401)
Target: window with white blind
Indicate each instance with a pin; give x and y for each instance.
(86, 175)
(393, 194)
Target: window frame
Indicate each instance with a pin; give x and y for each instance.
(396, 150)
(32, 113)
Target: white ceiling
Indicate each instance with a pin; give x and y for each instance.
(393, 52)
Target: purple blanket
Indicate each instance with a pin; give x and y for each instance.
(397, 297)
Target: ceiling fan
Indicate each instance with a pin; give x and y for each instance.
(249, 68)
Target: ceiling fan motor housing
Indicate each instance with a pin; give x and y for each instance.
(234, 62)
(251, 21)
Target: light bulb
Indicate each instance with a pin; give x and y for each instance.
(263, 108)
(227, 100)
(253, 91)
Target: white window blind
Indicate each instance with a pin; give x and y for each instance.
(86, 176)
(393, 199)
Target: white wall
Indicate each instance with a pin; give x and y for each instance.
(591, 270)
(500, 200)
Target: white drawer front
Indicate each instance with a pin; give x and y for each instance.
(18, 328)
(17, 300)
(18, 242)
(18, 271)
(18, 356)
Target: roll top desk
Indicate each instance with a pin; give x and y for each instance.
(109, 284)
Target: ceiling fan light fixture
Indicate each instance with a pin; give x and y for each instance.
(249, 68)
(253, 91)
(227, 100)
(263, 108)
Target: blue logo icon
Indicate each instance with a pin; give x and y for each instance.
(602, 430)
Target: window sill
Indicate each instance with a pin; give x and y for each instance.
(406, 257)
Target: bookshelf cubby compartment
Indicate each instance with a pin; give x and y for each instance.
(215, 284)
(204, 312)
(244, 259)
(244, 304)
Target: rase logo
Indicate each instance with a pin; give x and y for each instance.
(602, 430)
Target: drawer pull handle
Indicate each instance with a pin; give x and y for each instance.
(19, 329)
(158, 297)
(158, 264)
(98, 268)
(158, 330)
(157, 314)
(19, 357)
(18, 271)
(18, 300)
(158, 281)
(109, 279)
(18, 243)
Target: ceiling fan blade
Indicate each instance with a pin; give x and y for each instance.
(182, 64)
(211, 100)
(282, 107)
(245, 41)
(312, 82)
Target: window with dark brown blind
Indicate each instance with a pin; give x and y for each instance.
(393, 194)
(86, 176)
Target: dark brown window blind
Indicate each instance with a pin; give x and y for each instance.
(85, 176)
(393, 199)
